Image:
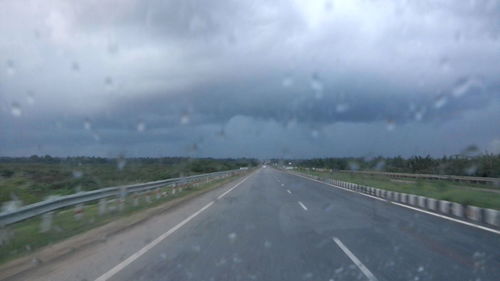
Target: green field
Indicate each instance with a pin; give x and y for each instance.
(33, 179)
(25, 237)
(468, 194)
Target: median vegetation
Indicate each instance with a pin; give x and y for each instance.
(465, 193)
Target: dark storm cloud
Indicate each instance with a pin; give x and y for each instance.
(237, 78)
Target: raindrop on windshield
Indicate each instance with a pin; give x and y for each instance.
(113, 48)
(232, 237)
(314, 134)
(341, 107)
(108, 81)
(141, 126)
(390, 125)
(11, 70)
(15, 109)
(419, 114)
(77, 174)
(440, 101)
(328, 5)
(185, 118)
(444, 64)
(287, 82)
(466, 85)
(30, 98)
(317, 86)
(471, 150)
(471, 170)
(96, 136)
(75, 66)
(353, 166)
(87, 125)
(121, 162)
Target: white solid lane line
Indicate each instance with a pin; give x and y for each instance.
(288, 190)
(409, 207)
(229, 190)
(303, 206)
(149, 246)
(355, 260)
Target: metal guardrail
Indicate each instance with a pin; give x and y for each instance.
(480, 180)
(42, 207)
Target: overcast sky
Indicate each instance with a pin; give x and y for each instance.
(297, 78)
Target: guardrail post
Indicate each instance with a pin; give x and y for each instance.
(431, 204)
(46, 223)
(473, 213)
(444, 206)
(135, 200)
(492, 217)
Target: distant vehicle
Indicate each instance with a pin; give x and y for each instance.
(243, 168)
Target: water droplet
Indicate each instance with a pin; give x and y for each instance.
(196, 24)
(75, 66)
(11, 70)
(314, 134)
(341, 107)
(380, 165)
(440, 101)
(317, 86)
(419, 114)
(113, 48)
(141, 126)
(77, 174)
(307, 276)
(220, 262)
(232, 237)
(185, 119)
(444, 64)
(30, 98)
(121, 162)
(353, 165)
(494, 146)
(15, 109)
(287, 82)
(390, 125)
(471, 150)
(420, 269)
(108, 81)
(466, 85)
(267, 244)
(471, 170)
(96, 136)
(328, 5)
(87, 125)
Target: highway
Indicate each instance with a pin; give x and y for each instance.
(276, 226)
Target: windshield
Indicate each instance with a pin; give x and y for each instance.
(250, 140)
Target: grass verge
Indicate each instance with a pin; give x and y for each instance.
(25, 237)
(438, 189)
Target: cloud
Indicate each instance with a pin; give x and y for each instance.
(292, 71)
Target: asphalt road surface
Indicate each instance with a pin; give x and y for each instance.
(276, 226)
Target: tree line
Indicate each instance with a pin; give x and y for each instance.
(487, 165)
